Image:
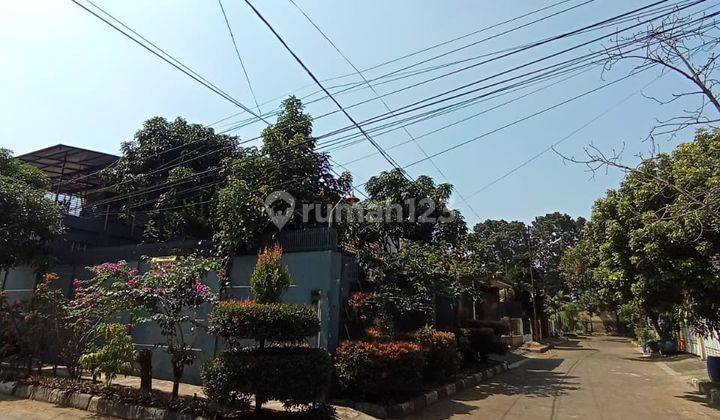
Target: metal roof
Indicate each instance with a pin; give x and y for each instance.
(72, 170)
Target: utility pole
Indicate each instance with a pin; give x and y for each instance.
(533, 292)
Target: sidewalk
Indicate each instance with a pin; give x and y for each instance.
(686, 365)
(196, 390)
(185, 389)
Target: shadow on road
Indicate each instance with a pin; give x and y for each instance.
(536, 378)
(697, 397)
(571, 345)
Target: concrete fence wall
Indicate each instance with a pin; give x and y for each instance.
(328, 274)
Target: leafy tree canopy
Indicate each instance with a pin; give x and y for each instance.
(170, 172)
(399, 210)
(653, 246)
(286, 161)
(550, 236)
(29, 218)
(500, 250)
(410, 244)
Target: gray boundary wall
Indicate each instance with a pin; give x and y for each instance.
(329, 272)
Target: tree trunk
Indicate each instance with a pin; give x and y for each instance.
(178, 368)
(144, 359)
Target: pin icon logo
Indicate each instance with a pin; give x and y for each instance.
(280, 217)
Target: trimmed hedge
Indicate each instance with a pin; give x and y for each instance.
(272, 322)
(499, 327)
(293, 375)
(380, 371)
(480, 342)
(441, 353)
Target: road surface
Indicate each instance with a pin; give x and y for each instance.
(12, 408)
(594, 378)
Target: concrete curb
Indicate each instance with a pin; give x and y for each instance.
(429, 398)
(710, 390)
(90, 403)
(541, 349)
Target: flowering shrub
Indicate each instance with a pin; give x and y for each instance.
(380, 371)
(289, 374)
(170, 294)
(441, 352)
(270, 279)
(96, 301)
(275, 322)
(26, 328)
(116, 356)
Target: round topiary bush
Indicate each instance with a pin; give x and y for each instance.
(294, 375)
(272, 322)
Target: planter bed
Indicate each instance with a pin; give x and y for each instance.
(467, 379)
(126, 402)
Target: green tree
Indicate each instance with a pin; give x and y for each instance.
(286, 161)
(499, 251)
(410, 244)
(171, 172)
(550, 236)
(29, 219)
(657, 239)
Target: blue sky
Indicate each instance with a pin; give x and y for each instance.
(68, 78)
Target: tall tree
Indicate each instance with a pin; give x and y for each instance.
(169, 174)
(287, 161)
(29, 218)
(550, 236)
(657, 238)
(500, 251)
(410, 244)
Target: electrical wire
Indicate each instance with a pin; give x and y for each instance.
(237, 52)
(359, 73)
(312, 76)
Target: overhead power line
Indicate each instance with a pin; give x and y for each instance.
(317, 81)
(385, 63)
(173, 62)
(237, 52)
(626, 16)
(525, 118)
(359, 73)
(564, 138)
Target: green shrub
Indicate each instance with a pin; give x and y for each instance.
(441, 353)
(273, 322)
(499, 327)
(477, 343)
(293, 375)
(270, 279)
(380, 371)
(116, 356)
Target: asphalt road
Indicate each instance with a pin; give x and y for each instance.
(594, 378)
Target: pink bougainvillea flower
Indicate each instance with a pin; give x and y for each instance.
(77, 286)
(201, 289)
